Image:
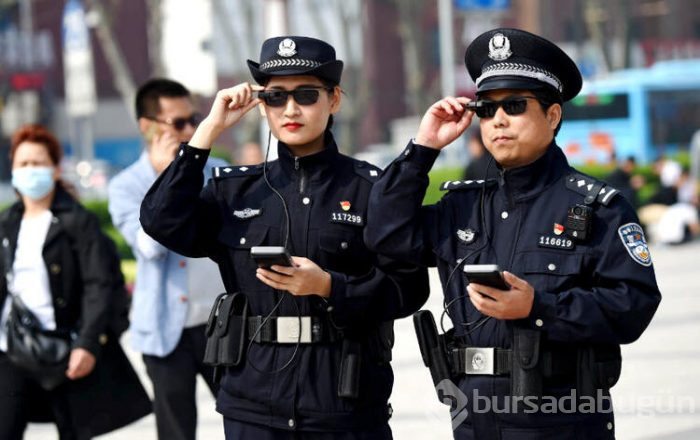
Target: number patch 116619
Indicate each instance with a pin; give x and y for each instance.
(555, 242)
(345, 217)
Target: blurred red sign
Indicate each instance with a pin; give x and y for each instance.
(27, 81)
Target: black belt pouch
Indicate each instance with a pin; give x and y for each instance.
(350, 364)
(226, 330)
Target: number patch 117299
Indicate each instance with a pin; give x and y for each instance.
(347, 218)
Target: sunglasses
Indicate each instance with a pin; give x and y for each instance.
(179, 124)
(303, 96)
(487, 109)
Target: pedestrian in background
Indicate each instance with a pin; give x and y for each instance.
(570, 249)
(65, 270)
(316, 336)
(172, 294)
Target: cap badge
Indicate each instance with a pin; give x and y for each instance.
(499, 47)
(287, 48)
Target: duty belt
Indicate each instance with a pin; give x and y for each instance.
(291, 330)
(495, 361)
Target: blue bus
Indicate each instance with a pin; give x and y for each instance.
(644, 113)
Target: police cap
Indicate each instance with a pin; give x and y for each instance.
(292, 55)
(515, 59)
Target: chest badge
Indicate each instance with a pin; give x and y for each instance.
(632, 236)
(247, 213)
(558, 229)
(345, 205)
(467, 235)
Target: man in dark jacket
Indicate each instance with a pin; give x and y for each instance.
(537, 360)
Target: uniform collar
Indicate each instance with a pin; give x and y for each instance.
(529, 180)
(316, 165)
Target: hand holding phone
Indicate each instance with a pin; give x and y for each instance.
(486, 275)
(267, 256)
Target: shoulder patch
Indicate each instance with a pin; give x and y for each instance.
(592, 189)
(236, 171)
(465, 184)
(632, 236)
(367, 171)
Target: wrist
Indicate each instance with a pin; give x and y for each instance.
(325, 288)
(425, 142)
(205, 135)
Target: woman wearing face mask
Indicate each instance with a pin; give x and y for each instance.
(318, 335)
(62, 267)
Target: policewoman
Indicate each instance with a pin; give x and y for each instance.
(317, 337)
(535, 361)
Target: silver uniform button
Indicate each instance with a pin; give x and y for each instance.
(539, 323)
(344, 245)
(610, 426)
(306, 200)
(196, 156)
(242, 241)
(552, 266)
(290, 422)
(504, 215)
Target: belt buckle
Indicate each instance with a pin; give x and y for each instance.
(293, 329)
(480, 360)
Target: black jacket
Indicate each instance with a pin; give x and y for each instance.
(79, 260)
(601, 290)
(326, 197)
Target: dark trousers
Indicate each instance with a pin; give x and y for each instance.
(22, 400)
(237, 430)
(174, 380)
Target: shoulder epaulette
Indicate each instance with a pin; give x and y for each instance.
(592, 189)
(367, 171)
(466, 184)
(236, 171)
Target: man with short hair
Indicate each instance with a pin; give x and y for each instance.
(537, 360)
(173, 294)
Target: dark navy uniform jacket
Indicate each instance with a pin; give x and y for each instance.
(326, 195)
(599, 290)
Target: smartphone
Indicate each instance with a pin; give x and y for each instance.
(267, 256)
(486, 275)
(152, 131)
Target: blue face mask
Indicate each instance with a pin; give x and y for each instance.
(33, 182)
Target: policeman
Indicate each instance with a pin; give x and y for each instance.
(537, 360)
(316, 336)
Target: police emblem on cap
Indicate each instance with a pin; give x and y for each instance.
(632, 236)
(287, 48)
(499, 47)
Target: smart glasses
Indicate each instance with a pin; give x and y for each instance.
(512, 106)
(179, 124)
(303, 96)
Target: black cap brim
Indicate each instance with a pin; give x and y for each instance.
(511, 82)
(330, 71)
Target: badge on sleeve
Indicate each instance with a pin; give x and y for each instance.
(632, 237)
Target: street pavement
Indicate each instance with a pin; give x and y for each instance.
(656, 397)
